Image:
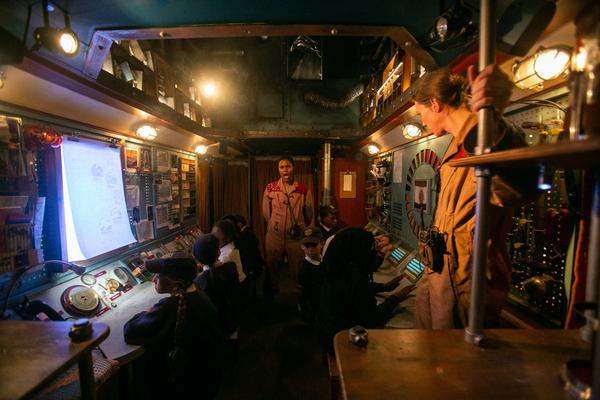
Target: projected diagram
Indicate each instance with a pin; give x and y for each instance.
(95, 216)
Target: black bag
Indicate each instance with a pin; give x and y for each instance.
(432, 247)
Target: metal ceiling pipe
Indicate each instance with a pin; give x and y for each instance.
(326, 174)
(487, 41)
(320, 100)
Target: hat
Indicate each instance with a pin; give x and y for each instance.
(179, 266)
(326, 210)
(206, 249)
(311, 235)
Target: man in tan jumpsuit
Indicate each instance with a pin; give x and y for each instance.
(285, 203)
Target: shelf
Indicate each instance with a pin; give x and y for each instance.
(580, 154)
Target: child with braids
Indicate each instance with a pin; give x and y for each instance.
(181, 336)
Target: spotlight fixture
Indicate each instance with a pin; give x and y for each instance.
(411, 130)
(544, 65)
(201, 149)
(147, 132)
(454, 25)
(373, 149)
(62, 40)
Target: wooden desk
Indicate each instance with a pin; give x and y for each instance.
(33, 353)
(422, 364)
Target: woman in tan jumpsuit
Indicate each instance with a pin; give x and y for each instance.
(286, 203)
(443, 297)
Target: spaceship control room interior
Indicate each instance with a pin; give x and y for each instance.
(299, 200)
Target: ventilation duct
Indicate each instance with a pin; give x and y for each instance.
(331, 104)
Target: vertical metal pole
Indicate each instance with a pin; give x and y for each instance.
(591, 284)
(327, 174)
(487, 42)
(591, 291)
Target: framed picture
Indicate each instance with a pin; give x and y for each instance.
(132, 159)
(422, 195)
(162, 161)
(145, 161)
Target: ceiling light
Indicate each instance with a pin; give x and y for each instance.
(201, 149)
(373, 149)
(411, 130)
(69, 43)
(544, 65)
(209, 89)
(147, 132)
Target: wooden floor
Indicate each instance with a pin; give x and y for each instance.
(280, 357)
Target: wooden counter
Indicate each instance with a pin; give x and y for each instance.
(32, 353)
(422, 364)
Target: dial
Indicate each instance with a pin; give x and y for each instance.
(88, 279)
(80, 300)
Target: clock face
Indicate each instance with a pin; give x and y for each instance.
(420, 187)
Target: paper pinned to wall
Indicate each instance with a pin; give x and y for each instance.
(397, 175)
(164, 191)
(132, 196)
(162, 216)
(144, 231)
(347, 184)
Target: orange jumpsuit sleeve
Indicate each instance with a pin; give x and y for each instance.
(266, 206)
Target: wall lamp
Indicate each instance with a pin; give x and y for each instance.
(146, 132)
(62, 40)
(411, 130)
(373, 149)
(546, 64)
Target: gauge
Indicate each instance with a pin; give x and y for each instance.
(121, 275)
(80, 300)
(112, 285)
(88, 279)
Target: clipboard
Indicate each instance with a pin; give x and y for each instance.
(348, 185)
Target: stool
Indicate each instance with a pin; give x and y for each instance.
(66, 385)
(334, 377)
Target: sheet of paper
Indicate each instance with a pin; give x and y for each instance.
(162, 216)
(132, 196)
(164, 191)
(163, 162)
(397, 173)
(347, 184)
(144, 231)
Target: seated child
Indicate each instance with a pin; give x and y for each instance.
(310, 273)
(181, 336)
(221, 284)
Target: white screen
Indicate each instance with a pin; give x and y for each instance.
(94, 216)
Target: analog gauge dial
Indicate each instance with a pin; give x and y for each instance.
(88, 279)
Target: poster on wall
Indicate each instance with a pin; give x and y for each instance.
(397, 175)
(163, 162)
(145, 165)
(423, 194)
(132, 159)
(162, 216)
(164, 191)
(132, 196)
